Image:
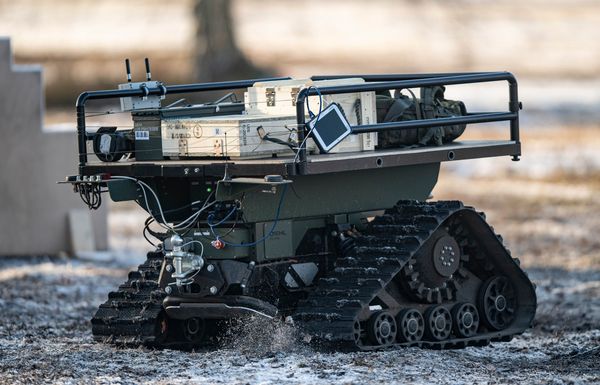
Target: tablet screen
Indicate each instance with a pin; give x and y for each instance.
(330, 129)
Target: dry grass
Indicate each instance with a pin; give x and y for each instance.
(546, 206)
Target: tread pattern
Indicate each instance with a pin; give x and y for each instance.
(380, 253)
(130, 314)
(329, 313)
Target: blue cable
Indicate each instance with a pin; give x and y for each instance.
(222, 220)
(263, 238)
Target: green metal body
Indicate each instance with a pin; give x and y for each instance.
(310, 202)
(337, 193)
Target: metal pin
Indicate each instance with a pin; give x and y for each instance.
(128, 70)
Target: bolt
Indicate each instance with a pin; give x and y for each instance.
(452, 253)
(451, 259)
(210, 268)
(168, 289)
(169, 268)
(196, 170)
(213, 290)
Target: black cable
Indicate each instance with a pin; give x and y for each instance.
(160, 235)
(235, 222)
(90, 195)
(146, 237)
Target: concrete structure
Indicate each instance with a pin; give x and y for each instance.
(33, 208)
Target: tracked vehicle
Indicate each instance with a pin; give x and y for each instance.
(308, 201)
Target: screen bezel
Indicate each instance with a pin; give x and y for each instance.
(315, 133)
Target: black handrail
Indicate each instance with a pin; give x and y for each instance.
(393, 77)
(407, 81)
(374, 82)
(450, 121)
(147, 91)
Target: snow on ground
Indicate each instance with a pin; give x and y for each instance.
(550, 221)
(45, 337)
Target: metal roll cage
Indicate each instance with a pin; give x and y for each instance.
(373, 83)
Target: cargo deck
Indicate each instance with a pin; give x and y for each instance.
(315, 164)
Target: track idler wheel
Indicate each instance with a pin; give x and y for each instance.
(411, 325)
(382, 328)
(357, 333)
(498, 302)
(466, 319)
(438, 323)
(161, 328)
(193, 329)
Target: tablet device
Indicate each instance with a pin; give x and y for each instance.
(330, 128)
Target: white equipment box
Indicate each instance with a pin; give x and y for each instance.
(235, 136)
(272, 107)
(278, 98)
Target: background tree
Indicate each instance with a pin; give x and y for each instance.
(217, 54)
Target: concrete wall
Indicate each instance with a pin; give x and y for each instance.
(33, 208)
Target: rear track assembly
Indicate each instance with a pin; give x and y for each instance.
(423, 274)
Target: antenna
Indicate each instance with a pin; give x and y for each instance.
(148, 75)
(128, 70)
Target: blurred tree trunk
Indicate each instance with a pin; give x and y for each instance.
(217, 55)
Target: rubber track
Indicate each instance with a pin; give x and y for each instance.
(379, 254)
(129, 316)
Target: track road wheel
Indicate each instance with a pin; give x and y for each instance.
(498, 302)
(438, 323)
(382, 328)
(411, 325)
(193, 329)
(466, 319)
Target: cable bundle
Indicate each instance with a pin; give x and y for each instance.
(90, 194)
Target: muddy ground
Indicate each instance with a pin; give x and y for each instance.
(550, 221)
